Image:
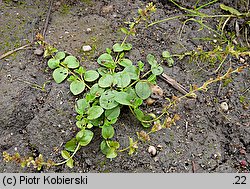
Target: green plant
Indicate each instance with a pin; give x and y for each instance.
(116, 83)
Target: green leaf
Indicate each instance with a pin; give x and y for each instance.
(102, 71)
(151, 60)
(157, 70)
(143, 90)
(230, 9)
(105, 81)
(91, 75)
(81, 70)
(125, 62)
(96, 90)
(104, 147)
(77, 87)
(81, 106)
(71, 62)
(107, 100)
(60, 74)
(106, 60)
(133, 72)
(125, 31)
(72, 78)
(70, 163)
(140, 65)
(166, 56)
(111, 153)
(71, 145)
(137, 102)
(50, 50)
(110, 149)
(53, 63)
(127, 47)
(122, 79)
(94, 112)
(65, 154)
(123, 98)
(139, 114)
(146, 118)
(107, 131)
(117, 47)
(112, 113)
(152, 79)
(60, 55)
(132, 146)
(97, 122)
(84, 137)
(108, 50)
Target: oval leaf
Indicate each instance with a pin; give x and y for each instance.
(60, 74)
(77, 87)
(70, 163)
(105, 81)
(125, 62)
(107, 100)
(143, 90)
(151, 60)
(122, 79)
(60, 55)
(84, 137)
(112, 113)
(157, 70)
(106, 60)
(127, 46)
(71, 145)
(117, 47)
(96, 90)
(94, 112)
(65, 154)
(133, 72)
(81, 106)
(53, 63)
(107, 131)
(71, 62)
(91, 75)
(123, 98)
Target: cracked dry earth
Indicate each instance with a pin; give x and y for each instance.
(33, 122)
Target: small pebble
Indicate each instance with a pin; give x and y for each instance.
(150, 101)
(242, 60)
(86, 48)
(152, 150)
(22, 67)
(189, 104)
(88, 30)
(157, 90)
(38, 52)
(107, 9)
(224, 106)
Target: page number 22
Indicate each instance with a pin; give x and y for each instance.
(240, 180)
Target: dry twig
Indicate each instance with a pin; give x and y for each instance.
(174, 83)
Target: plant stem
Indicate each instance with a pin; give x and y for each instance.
(139, 79)
(77, 148)
(80, 79)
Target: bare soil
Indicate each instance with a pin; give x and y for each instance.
(34, 122)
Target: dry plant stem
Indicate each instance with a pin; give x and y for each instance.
(211, 80)
(47, 19)
(174, 84)
(15, 50)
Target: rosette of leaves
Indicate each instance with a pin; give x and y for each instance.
(116, 83)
